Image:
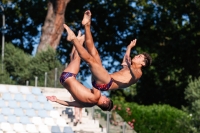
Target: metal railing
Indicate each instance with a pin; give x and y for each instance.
(105, 120)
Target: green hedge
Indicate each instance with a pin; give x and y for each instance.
(154, 118)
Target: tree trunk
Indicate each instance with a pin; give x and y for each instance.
(53, 25)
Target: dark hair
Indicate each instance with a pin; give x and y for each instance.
(109, 108)
(147, 60)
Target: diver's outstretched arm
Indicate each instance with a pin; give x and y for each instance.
(65, 103)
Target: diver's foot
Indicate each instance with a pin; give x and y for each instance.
(87, 18)
(70, 33)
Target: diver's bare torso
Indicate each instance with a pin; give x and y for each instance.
(123, 78)
(88, 97)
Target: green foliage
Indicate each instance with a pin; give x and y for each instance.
(41, 60)
(171, 29)
(44, 62)
(5, 77)
(16, 62)
(126, 94)
(154, 118)
(192, 95)
(21, 67)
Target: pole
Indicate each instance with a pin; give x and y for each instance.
(27, 82)
(3, 38)
(36, 79)
(124, 126)
(92, 113)
(108, 122)
(45, 79)
(56, 71)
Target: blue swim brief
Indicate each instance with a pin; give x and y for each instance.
(102, 87)
(66, 75)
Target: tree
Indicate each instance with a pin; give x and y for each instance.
(192, 95)
(23, 19)
(171, 30)
(15, 66)
(53, 25)
(21, 67)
